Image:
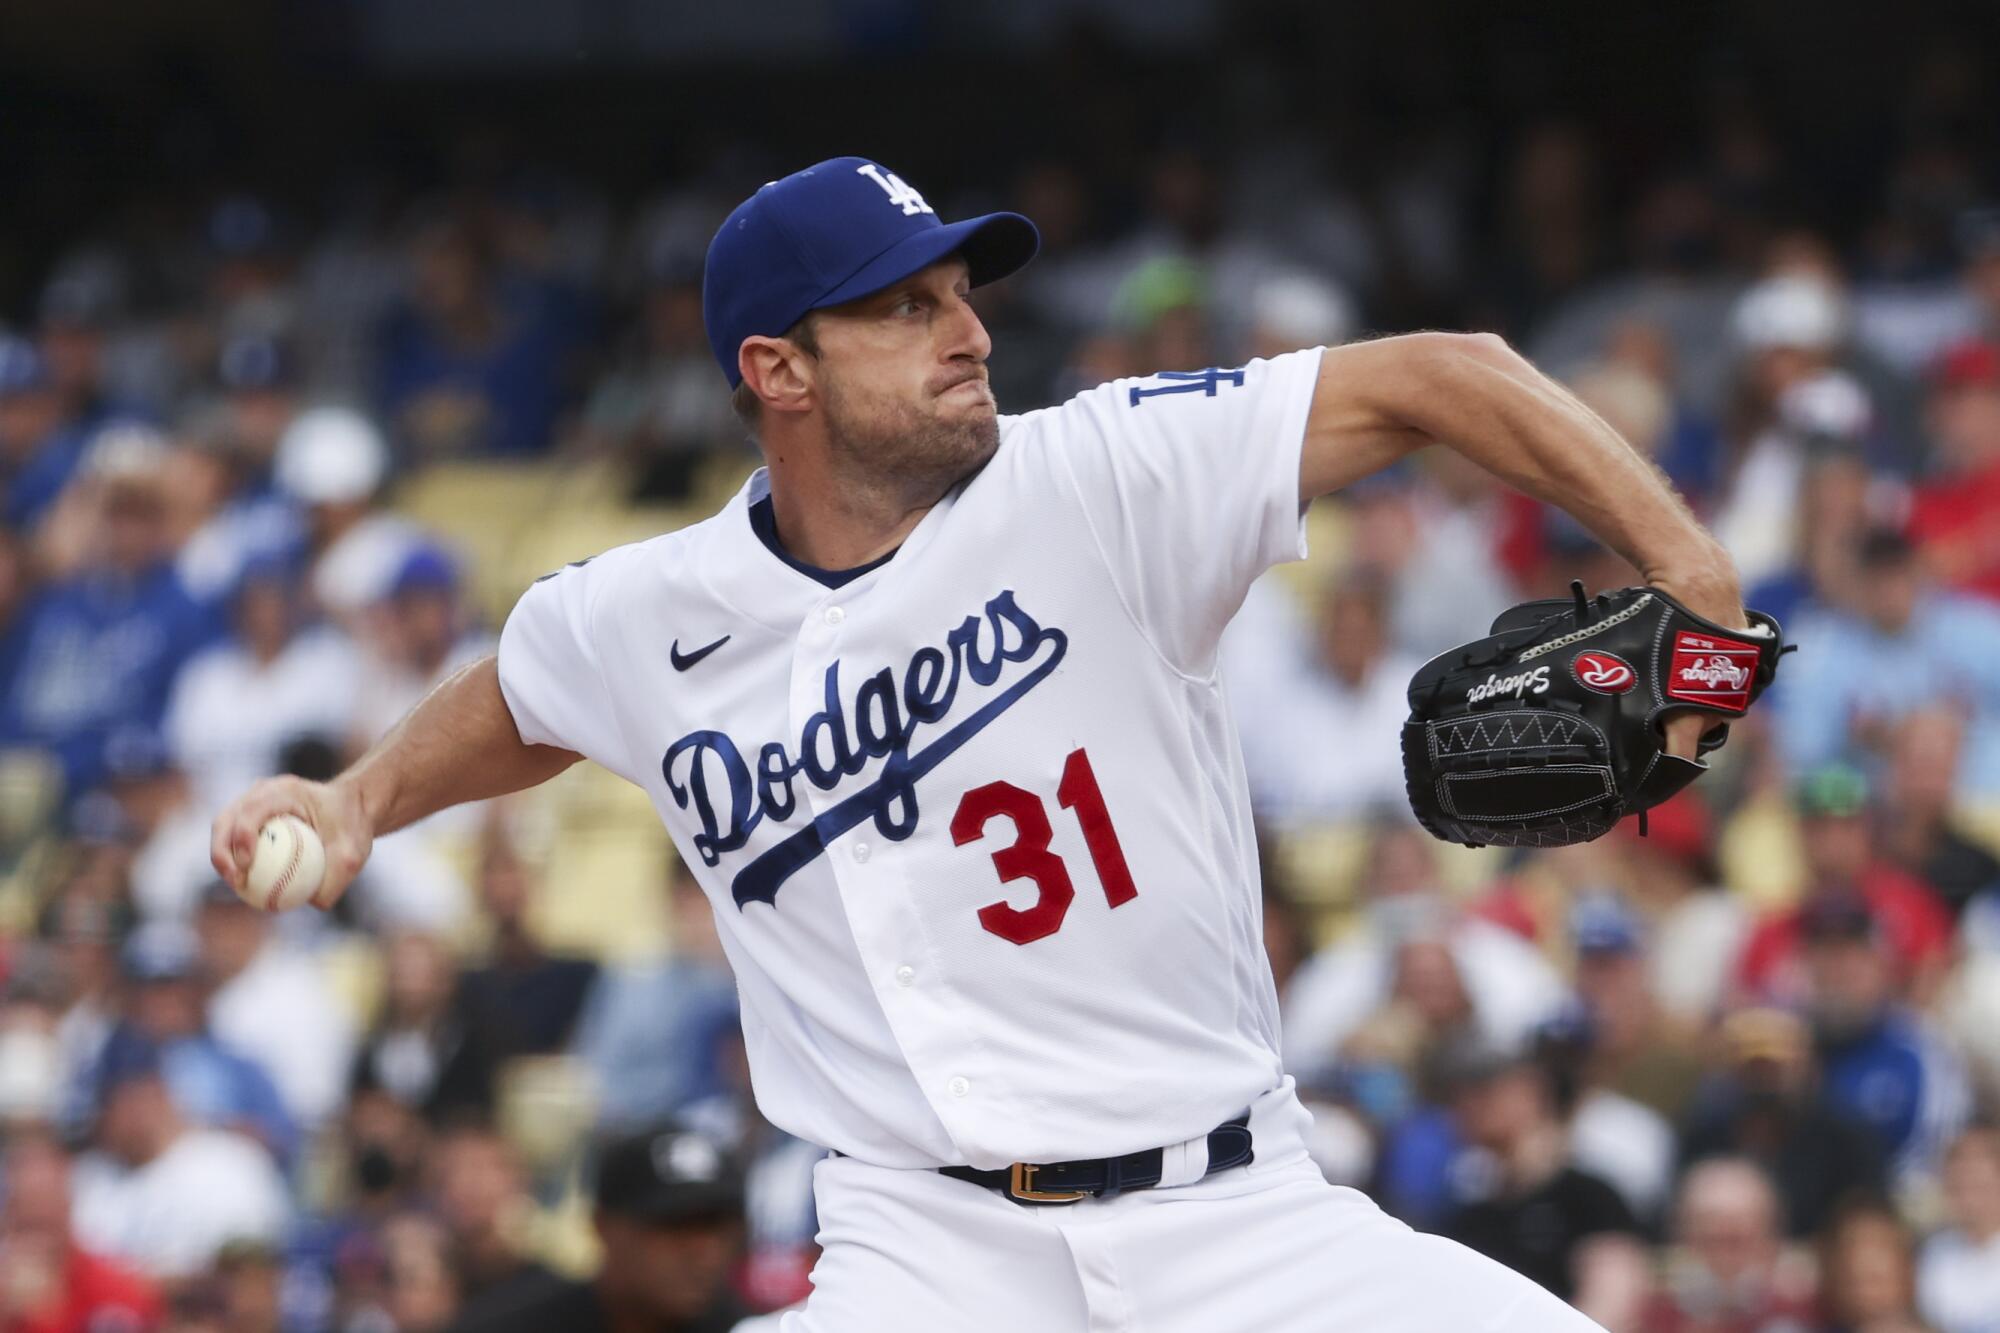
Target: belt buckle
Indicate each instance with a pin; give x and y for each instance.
(1021, 1184)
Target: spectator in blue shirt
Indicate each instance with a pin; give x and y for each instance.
(76, 318)
(257, 379)
(97, 651)
(212, 1084)
(474, 364)
(1878, 1065)
(661, 1035)
(1905, 646)
(39, 445)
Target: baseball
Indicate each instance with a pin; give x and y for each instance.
(289, 863)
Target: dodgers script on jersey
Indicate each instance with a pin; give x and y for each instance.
(974, 824)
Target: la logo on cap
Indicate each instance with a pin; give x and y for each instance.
(901, 194)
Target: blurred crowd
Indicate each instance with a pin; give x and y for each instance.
(1740, 1074)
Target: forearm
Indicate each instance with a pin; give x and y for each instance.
(1490, 405)
(460, 744)
(1379, 402)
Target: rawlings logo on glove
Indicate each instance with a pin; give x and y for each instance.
(1501, 750)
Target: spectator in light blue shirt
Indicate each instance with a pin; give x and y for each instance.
(662, 1035)
(96, 652)
(212, 1084)
(1904, 646)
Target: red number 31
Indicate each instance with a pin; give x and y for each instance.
(1029, 857)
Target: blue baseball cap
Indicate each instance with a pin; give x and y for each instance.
(255, 361)
(21, 367)
(1601, 924)
(833, 232)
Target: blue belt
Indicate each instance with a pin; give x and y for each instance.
(1066, 1182)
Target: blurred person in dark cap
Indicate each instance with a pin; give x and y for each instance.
(1529, 1206)
(159, 1193)
(40, 443)
(1623, 1142)
(669, 1220)
(473, 364)
(654, 407)
(1839, 839)
(420, 633)
(1727, 1268)
(1635, 1050)
(1880, 1064)
(97, 650)
(248, 519)
(249, 267)
(1763, 1104)
(49, 1282)
(1935, 647)
(1955, 511)
(75, 315)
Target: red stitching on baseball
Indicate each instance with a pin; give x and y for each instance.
(284, 878)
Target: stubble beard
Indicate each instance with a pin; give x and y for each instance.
(905, 455)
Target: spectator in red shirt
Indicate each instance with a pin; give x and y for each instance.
(1842, 857)
(49, 1284)
(1955, 513)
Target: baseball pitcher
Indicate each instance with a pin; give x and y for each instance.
(931, 708)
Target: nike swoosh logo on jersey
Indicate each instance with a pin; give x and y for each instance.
(683, 661)
(731, 797)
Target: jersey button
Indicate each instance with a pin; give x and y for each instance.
(834, 615)
(906, 975)
(959, 1087)
(861, 852)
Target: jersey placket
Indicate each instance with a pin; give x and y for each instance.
(868, 870)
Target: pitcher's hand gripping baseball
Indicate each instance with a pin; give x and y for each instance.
(332, 809)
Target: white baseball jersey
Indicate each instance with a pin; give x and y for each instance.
(974, 823)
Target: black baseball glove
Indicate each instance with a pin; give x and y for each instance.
(1546, 732)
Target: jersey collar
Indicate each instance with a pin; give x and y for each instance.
(763, 585)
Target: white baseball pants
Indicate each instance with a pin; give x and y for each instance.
(1265, 1248)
